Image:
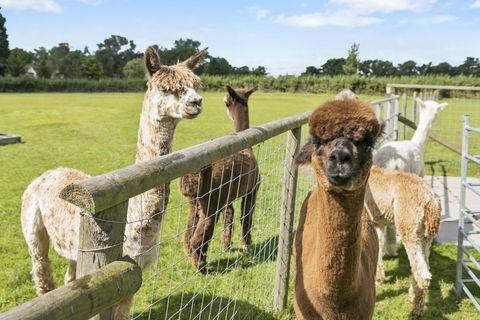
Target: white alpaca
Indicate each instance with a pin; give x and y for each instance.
(170, 97)
(407, 155)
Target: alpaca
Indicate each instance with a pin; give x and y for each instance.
(170, 97)
(216, 186)
(346, 94)
(407, 156)
(407, 202)
(336, 246)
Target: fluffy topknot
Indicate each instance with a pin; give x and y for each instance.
(351, 119)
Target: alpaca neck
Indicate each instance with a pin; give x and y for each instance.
(339, 241)
(155, 137)
(241, 121)
(423, 130)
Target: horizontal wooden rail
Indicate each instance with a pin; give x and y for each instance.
(107, 190)
(432, 135)
(85, 297)
(434, 87)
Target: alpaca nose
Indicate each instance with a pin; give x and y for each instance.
(197, 101)
(340, 156)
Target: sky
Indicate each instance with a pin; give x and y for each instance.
(284, 36)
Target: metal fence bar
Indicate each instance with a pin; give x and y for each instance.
(465, 273)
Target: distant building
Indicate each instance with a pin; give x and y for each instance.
(31, 72)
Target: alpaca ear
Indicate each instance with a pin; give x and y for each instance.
(420, 102)
(304, 156)
(249, 92)
(442, 105)
(196, 59)
(233, 94)
(151, 62)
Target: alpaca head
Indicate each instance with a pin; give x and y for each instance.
(236, 101)
(346, 94)
(342, 136)
(171, 89)
(429, 109)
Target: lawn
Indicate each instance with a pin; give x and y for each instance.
(97, 133)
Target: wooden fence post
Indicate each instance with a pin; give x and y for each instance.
(286, 220)
(101, 237)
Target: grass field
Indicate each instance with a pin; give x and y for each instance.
(96, 133)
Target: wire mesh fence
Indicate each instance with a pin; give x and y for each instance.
(468, 264)
(238, 285)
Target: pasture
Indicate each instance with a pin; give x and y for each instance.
(97, 133)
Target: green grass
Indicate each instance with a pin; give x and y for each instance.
(96, 133)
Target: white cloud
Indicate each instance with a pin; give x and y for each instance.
(476, 4)
(93, 2)
(338, 18)
(438, 19)
(37, 5)
(369, 6)
(259, 13)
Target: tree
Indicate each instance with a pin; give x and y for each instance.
(91, 68)
(217, 66)
(4, 46)
(259, 71)
(134, 69)
(408, 68)
(379, 68)
(471, 66)
(333, 67)
(311, 71)
(182, 50)
(443, 68)
(351, 63)
(18, 62)
(40, 63)
(114, 53)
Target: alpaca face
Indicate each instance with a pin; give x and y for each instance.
(171, 92)
(430, 108)
(342, 136)
(342, 163)
(236, 101)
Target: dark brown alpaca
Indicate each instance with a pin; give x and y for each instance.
(215, 187)
(336, 246)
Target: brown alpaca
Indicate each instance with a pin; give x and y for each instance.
(407, 202)
(216, 186)
(336, 246)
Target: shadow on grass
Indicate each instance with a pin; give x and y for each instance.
(265, 251)
(199, 306)
(442, 267)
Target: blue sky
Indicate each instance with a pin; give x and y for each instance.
(284, 36)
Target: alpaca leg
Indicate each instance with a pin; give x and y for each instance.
(201, 239)
(70, 275)
(421, 277)
(122, 310)
(380, 275)
(37, 240)
(228, 215)
(248, 207)
(391, 241)
(191, 225)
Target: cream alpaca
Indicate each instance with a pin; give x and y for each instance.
(407, 202)
(169, 98)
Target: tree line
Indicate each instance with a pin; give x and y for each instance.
(383, 68)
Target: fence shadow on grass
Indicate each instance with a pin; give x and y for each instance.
(203, 307)
(442, 267)
(262, 252)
